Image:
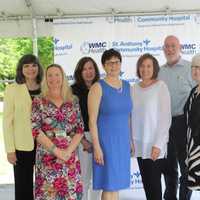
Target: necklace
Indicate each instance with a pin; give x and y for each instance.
(120, 90)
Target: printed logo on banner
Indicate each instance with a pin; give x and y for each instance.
(190, 48)
(136, 48)
(70, 78)
(146, 41)
(61, 47)
(163, 20)
(93, 47)
(136, 180)
(85, 49)
(119, 19)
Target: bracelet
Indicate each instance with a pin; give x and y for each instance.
(52, 148)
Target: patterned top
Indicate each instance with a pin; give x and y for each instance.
(56, 179)
(48, 117)
(192, 113)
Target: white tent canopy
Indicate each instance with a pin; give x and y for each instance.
(34, 17)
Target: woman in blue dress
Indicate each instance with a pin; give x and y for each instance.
(109, 106)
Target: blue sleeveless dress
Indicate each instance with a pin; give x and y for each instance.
(114, 137)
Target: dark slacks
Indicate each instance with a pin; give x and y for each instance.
(176, 155)
(151, 177)
(23, 174)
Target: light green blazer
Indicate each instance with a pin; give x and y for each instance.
(17, 127)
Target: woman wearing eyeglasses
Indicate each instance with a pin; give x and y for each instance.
(192, 113)
(109, 106)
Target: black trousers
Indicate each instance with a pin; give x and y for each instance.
(23, 174)
(151, 177)
(176, 155)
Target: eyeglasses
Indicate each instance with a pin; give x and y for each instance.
(111, 63)
(173, 46)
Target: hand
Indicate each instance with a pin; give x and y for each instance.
(155, 152)
(87, 145)
(11, 157)
(98, 155)
(61, 154)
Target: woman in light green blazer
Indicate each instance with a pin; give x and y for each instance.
(17, 127)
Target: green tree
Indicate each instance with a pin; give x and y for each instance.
(46, 50)
(22, 46)
(11, 49)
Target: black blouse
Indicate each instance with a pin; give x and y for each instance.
(34, 93)
(82, 93)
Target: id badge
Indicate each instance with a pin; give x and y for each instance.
(60, 133)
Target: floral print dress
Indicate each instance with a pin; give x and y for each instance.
(56, 179)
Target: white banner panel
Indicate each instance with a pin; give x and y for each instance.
(132, 36)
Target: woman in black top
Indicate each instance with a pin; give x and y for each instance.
(85, 74)
(192, 112)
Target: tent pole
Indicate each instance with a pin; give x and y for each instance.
(106, 14)
(34, 26)
(34, 36)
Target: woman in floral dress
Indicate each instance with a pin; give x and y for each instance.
(58, 129)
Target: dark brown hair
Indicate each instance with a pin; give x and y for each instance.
(28, 59)
(108, 54)
(156, 67)
(79, 68)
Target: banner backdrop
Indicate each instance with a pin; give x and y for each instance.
(131, 35)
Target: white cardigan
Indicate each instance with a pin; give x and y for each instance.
(151, 119)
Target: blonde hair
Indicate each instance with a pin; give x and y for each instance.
(66, 91)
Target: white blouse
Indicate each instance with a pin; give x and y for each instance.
(151, 119)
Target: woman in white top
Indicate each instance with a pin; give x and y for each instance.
(151, 119)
